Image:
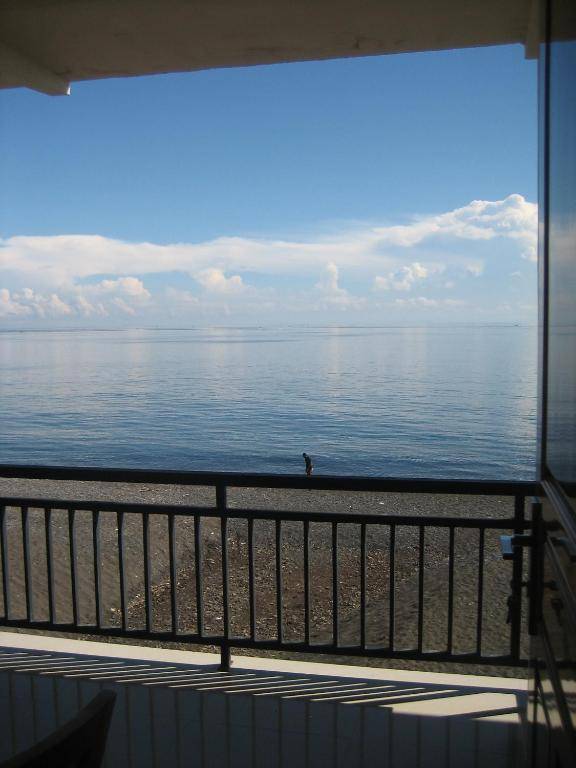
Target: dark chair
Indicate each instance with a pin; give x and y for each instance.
(80, 743)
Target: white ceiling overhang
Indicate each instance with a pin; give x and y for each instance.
(47, 44)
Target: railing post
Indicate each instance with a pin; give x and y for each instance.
(536, 570)
(515, 601)
(225, 660)
(5, 574)
(222, 509)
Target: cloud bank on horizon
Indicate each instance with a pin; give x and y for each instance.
(474, 263)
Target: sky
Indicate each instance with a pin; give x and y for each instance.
(384, 190)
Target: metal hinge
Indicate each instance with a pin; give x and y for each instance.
(513, 600)
(566, 544)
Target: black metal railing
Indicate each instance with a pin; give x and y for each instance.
(426, 587)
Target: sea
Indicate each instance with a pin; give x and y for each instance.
(437, 402)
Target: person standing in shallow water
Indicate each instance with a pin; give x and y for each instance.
(309, 465)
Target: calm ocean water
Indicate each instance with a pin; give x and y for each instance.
(426, 402)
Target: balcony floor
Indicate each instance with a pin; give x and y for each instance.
(175, 709)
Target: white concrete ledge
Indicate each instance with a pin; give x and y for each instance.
(165, 655)
(175, 708)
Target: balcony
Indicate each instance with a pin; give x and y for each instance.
(174, 708)
(371, 571)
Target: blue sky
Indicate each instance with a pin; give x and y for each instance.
(380, 190)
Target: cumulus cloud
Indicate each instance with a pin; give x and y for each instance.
(514, 218)
(97, 300)
(10, 306)
(28, 302)
(126, 295)
(332, 295)
(425, 302)
(178, 297)
(123, 306)
(64, 259)
(329, 282)
(90, 276)
(475, 270)
(214, 280)
(129, 286)
(404, 278)
(86, 308)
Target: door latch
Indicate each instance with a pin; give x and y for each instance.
(508, 544)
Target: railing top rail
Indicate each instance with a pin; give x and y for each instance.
(376, 518)
(257, 480)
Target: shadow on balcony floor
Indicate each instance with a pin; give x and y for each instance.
(174, 714)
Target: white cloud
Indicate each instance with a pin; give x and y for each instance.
(416, 301)
(514, 218)
(475, 270)
(126, 295)
(130, 286)
(64, 259)
(332, 296)
(178, 297)
(403, 279)
(28, 302)
(92, 300)
(123, 306)
(423, 301)
(214, 280)
(89, 276)
(329, 283)
(89, 309)
(54, 305)
(10, 306)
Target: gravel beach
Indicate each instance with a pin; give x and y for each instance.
(497, 573)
